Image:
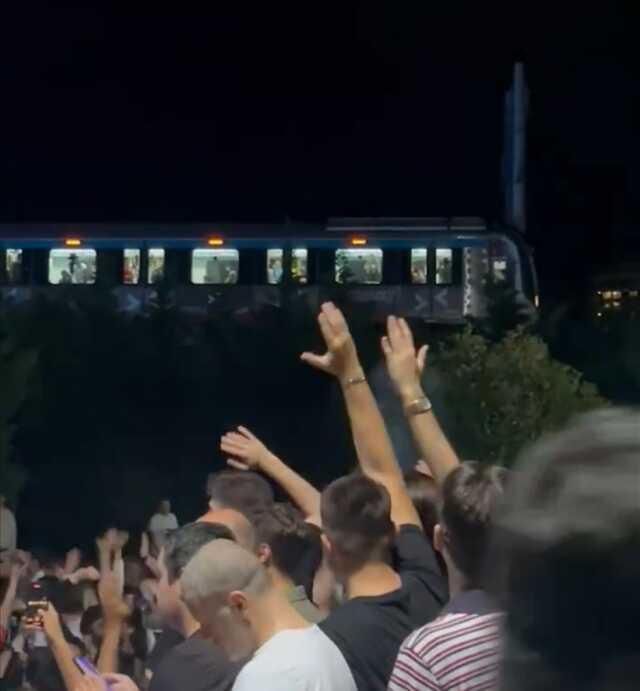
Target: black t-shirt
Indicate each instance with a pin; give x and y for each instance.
(370, 630)
(195, 665)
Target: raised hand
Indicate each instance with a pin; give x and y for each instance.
(248, 452)
(51, 622)
(404, 364)
(118, 682)
(90, 683)
(114, 607)
(341, 359)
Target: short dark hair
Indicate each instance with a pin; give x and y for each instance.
(247, 492)
(356, 517)
(296, 547)
(183, 544)
(69, 598)
(425, 495)
(566, 552)
(469, 497)
(423, 492)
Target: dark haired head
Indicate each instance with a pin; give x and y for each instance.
(356, 518)
(246, 492)
(69, 598)
(469, 498)
(184, 543)
(423, 492)
(567, 558)
(295, 546)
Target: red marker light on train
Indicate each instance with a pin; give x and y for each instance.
(215, 242)
(72, 242)
(359, 241)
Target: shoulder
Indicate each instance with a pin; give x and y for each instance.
(259, 674)
(437, 636)
(193, 657)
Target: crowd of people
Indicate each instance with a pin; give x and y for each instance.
(453, 576)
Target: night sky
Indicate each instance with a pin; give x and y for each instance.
(255, 111)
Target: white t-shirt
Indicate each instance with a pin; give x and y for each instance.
(297, 660)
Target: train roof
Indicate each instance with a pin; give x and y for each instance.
(375, 226)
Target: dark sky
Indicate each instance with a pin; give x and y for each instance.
(257, 110)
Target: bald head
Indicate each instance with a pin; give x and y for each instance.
(220, 568)
(239, 525)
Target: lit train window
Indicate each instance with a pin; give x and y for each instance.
(155, 270)
(14, 266)
(131, 267)
(274, 267)
(419, 265)
(73, 266)
(499, 269)
(444, 266)
(359, 266)
(299, 271)
(215, 267)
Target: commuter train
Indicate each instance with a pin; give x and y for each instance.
(432, 269)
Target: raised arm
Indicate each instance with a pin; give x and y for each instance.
(114, 612)
(375, 453)
(60, 648)
(405, 369)
(249, 453)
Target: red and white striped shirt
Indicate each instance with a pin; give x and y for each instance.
(459, 651)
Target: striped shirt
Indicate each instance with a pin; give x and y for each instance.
(459, 651)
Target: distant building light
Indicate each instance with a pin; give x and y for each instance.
(599, 314)
(73, 242)
(215, 242)
(536, 301)
(359, 241)
(616, 294)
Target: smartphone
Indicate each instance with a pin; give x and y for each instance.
(31, 616)
(87, 668)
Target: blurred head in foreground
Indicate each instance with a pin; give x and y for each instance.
(567, 559)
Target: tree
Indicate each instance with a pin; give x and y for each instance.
(16, 369)
(503, 395)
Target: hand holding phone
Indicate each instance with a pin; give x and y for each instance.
(89, 670)
(32, 616)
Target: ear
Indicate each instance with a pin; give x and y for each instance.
(264, 554)
(438, 538)
(239, 603)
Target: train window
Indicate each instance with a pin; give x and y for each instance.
(274, 267)
(299, 271)
(419, 265)
(359, 266)
(444, 266)
(500, 269)
(155, 270)
(131, 267)
(14, 266)
(215, 267)
(75, 266)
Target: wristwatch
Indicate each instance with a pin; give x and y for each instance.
(418, 407)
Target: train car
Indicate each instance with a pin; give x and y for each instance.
(431, 269)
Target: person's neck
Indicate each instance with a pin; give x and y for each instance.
(457, 581)
(372, 580)
(275, 614)
(280, 581)
(184, 623)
